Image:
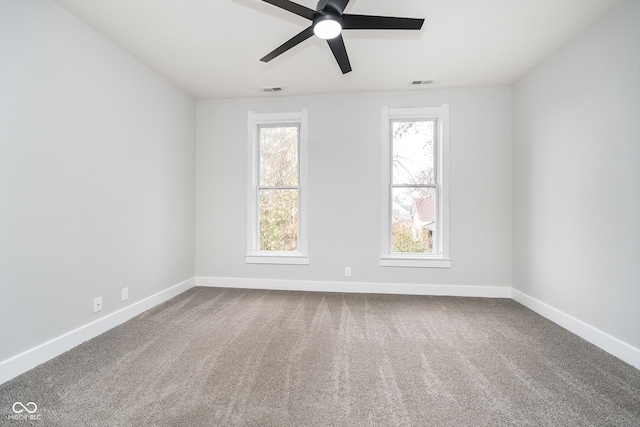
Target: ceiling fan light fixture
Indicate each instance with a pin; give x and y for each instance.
(327, 27)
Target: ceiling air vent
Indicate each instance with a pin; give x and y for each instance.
(420, 82)
(272, 89)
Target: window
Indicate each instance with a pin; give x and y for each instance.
(276, 196)
(415, 223)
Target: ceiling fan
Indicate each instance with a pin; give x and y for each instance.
(328, 21)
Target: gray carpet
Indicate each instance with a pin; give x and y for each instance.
(232, 357)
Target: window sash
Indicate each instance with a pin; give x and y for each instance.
(296, 217)
(437, 251)
(434, 165)
(436, 232)
(260, 127)
(261, 188)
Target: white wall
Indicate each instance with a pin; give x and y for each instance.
(345, 188)
(96, 176)
(97, 182)
(576, 163)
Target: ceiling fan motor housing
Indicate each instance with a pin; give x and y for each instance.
(328, 7)
(327, 17)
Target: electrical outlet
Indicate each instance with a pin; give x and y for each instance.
(125, 294)
(97, 304)
(347, 271)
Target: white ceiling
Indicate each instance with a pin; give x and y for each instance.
(211, 48)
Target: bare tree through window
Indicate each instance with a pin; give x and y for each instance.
(278, 189)
(413, 187)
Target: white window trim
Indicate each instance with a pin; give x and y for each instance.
(441, 259)
(254, 255)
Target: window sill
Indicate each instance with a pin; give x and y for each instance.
(395, 261)
(277, 259)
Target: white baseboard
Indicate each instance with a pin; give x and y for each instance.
(20, 363)
(356, 287)
(611, 345)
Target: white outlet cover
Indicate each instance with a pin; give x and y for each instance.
(125, 294)
(97, 304)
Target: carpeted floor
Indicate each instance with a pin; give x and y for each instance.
(233, 357)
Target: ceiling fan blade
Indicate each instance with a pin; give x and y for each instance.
(295, 40)
(369, 22)
(340, 53)
(336, 6)
(292, 7)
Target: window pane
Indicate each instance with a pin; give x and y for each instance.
(278, 220)
(413, 152)
(279, 156)
(413, 220)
